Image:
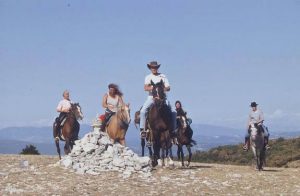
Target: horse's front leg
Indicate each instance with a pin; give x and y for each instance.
(143, 146)
(67, 147)
(57, 147)
(163, 156)
(112, 141)
(190, 155)
(150, 151)
(155, 155)
(178, 151)
(122, 142)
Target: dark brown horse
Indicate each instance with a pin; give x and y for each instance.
(159, 122)
(70, 129)
(184, 138)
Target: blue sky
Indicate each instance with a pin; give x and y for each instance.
(218, 55)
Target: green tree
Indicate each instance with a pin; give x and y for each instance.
(30, 149)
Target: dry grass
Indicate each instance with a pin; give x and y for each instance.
(42, 177)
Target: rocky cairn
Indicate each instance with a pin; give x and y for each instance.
(95, 154)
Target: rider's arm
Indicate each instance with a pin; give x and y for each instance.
(104, 101)
(167, 84)
(261, 118)
(249, 121)
(121, 101)
(60, 108)
(148, 87)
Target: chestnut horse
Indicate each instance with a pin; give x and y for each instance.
(70, 129)
(118, 125)
(159, 122)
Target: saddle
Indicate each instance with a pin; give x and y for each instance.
(105, 120)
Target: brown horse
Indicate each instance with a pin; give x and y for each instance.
(184, 138)
(118, 125)
(70, 129)
(159, 122)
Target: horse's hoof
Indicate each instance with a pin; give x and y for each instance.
(154, 163)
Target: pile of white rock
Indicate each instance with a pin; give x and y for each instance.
(95, 154)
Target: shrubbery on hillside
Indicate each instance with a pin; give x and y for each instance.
(30, 150)
(282, 151)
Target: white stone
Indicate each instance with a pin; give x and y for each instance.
(67, 162)
(144, 161)
(89, 147)
(104, 141)
(95, 153)
(118, 162)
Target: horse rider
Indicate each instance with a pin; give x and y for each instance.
(179, 113)
(110, 102)
(256, 117)
(156, 77)
(63, 108)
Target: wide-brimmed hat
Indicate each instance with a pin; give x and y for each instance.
(153, 64)
(253, 104)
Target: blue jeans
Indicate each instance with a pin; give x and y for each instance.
(144, 109)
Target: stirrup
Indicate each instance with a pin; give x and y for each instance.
(56, 138)
(245, 147)
(267, 147)
(148, 144)
(174, 141)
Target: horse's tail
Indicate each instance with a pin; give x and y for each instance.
(135, 124)
(193, 142)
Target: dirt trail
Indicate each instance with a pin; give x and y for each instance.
(42, 177)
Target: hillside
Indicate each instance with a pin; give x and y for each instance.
(43, 177)
(281, 153)
(13, 139)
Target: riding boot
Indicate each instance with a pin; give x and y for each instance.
(56, 130)
(247, 144)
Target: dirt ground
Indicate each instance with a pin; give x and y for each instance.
(42, 176)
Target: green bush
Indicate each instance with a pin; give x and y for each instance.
(30, 150)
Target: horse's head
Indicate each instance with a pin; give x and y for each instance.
(158, 91)
(182, 122)
(76, 109)
(124, 111)
(254, 130)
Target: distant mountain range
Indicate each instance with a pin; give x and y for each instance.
(14, 139)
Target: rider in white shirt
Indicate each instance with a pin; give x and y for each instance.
(256, 117)
(156, 77)
(63, 107)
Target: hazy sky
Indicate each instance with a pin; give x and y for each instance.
(219, 55)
